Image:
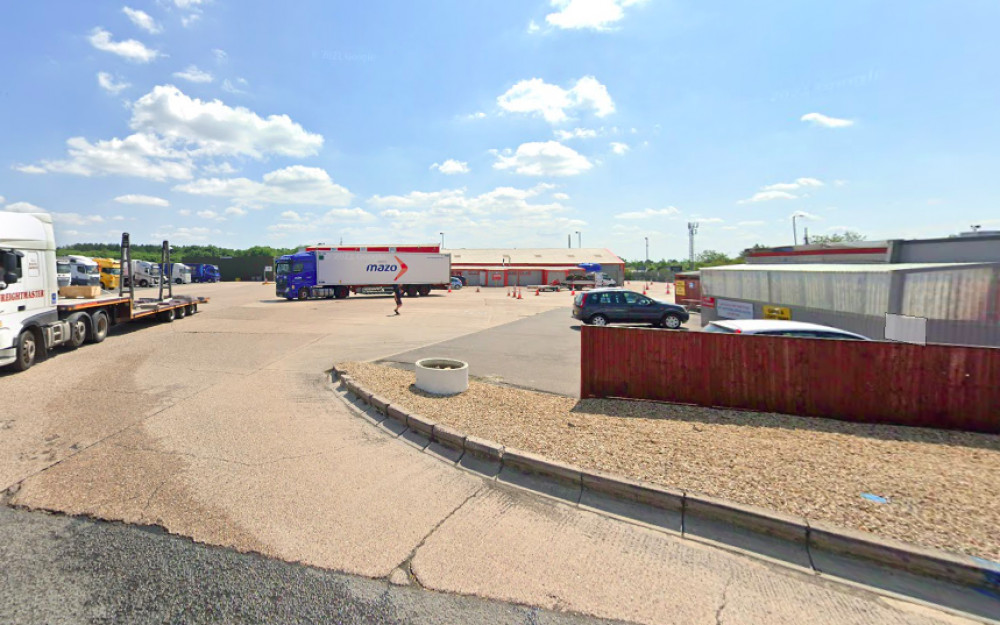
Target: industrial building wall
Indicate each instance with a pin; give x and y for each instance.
(962, 306)
(984, 249)
(245, 268)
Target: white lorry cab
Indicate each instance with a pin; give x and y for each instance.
(83, 271)
(180, 274)
(64, 274)
(146, 273)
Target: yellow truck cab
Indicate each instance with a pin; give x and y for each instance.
(111, 271)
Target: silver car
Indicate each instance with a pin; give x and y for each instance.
(777, 327)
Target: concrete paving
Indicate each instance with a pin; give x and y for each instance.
(224, 428)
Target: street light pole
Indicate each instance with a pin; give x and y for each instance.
(442, 240)
(795, 231)
(645, 263)
(579, 240)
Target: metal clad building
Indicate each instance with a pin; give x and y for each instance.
(961, 301)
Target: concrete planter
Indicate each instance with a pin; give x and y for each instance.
(442, 376)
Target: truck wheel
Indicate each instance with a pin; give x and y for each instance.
(178, 281)
(77, 330)
(27, 350)
(180, 312)
(192, 309)
(303, 294)
(598, 320)
(425, 290)
(411, 291)
(143, 282)
(99, 324)
(341, 292)
(166, 316)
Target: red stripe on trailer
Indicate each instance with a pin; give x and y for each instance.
(412, 249)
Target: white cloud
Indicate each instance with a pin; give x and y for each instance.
(184, 212)
(236, 211)
(533, 27)
(188, 4)
(217, 129)
(782, 190)
(107, 82)
(792, 186)
(118, 218)
(220, 55)
(219, 168)
(29, 169)
(535, 96)
(24, 207)
(549, 158)
(619, 148)
(560, 196)
(576, 133)
(76, 219)
(295, 185)
(649, 213)
(291, 216)
(476, 115)
(751, 223)
(451, 166)
(141, 155)
(210, 214)
(707, 220)
(589, 14)
(193, 74)
(819, 119)
(2, 199)
(142, 20)
(145, 200)
(183, 234)
(230, 86)
(129, 49)
(188, 20)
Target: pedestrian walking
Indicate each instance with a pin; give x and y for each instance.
(397, 294)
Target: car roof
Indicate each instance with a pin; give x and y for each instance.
(764, 325)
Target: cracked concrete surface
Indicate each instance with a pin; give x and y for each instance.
(222, 428)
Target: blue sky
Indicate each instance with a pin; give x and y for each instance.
(505, 124)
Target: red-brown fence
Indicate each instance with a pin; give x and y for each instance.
(941, 386)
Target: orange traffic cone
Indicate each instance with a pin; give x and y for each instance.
(449, 288)
(537, 291)
(519, 294)
(572, 291)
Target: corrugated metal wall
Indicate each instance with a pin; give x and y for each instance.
(942, 386)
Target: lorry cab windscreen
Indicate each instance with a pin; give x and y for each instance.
(282, 269)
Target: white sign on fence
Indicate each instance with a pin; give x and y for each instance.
(728, 309)
(906, 329)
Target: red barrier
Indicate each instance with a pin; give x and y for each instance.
(941, 386)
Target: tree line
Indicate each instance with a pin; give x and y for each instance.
(178, 253)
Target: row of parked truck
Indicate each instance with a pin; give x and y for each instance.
(106, 272)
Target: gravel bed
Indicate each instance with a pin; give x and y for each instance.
(942, 487)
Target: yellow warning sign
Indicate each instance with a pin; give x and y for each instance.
(777, 312)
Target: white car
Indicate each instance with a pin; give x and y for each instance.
(777, 327)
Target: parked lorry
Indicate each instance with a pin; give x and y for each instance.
(34, 319)
(64, 275)
(146, 273)
(338, 272)
(111, 271)
(591, 278)
(204, 272)
(83, 271)
(178, 273)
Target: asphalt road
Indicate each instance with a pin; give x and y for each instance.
(59, 569)
(224, 428)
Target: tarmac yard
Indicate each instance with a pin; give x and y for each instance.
(224, 428)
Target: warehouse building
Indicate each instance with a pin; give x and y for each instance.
(524, 267)
(968, 247)
(959, 301)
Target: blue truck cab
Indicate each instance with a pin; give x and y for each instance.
(295, 275)
(203, 272)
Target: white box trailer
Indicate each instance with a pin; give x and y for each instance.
(381, 268)
(326, 272)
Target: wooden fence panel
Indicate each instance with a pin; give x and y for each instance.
(942, 386)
